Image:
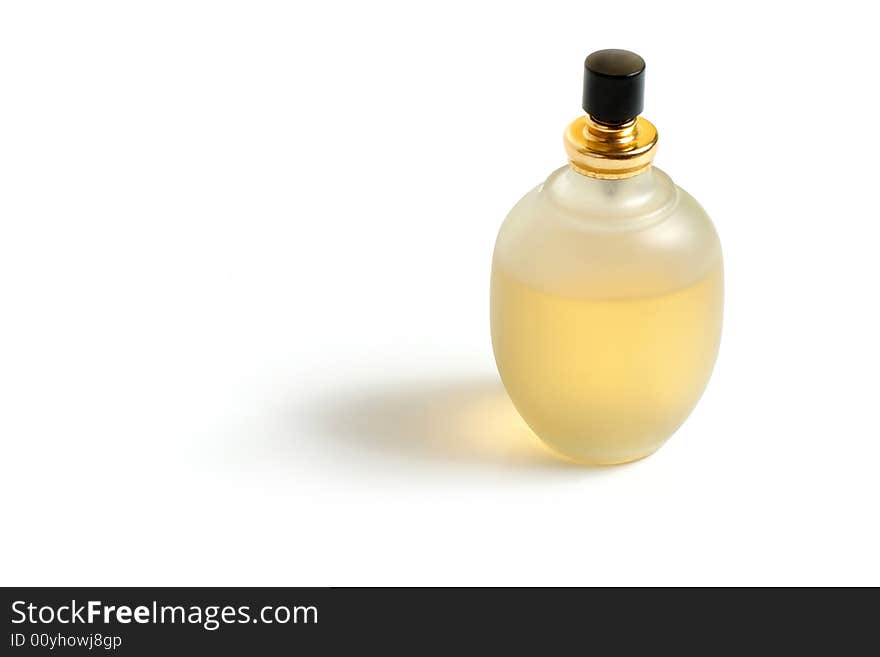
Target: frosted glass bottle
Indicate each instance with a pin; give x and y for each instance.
(606, 298)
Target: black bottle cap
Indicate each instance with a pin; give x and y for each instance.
(614, 86)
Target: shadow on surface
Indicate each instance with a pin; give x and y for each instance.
(458, 421)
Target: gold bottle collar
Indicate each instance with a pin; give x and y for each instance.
(610, 151)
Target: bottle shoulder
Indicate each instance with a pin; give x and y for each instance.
(585, 237)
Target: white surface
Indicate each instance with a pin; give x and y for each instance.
(244, 259)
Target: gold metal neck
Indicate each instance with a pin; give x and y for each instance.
(610, 151)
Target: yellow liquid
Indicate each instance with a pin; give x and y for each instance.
(605, 381)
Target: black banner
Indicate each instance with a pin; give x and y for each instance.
(171, 621)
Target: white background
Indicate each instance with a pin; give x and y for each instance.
(244, 260)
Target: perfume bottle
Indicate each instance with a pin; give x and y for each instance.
(607, 285)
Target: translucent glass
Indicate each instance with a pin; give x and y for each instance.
(606, 311)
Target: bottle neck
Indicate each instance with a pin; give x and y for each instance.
(610, 202)
(600, 150)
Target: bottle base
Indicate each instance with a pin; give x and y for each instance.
(600, 462)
